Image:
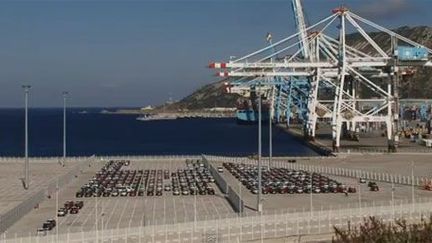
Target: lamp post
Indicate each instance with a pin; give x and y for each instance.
(26, 162)
(65, 94)
(270, 140)
(259, 203)
(412, 183)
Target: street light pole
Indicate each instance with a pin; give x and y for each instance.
(412, 182)
(65, 94)
(270, 140)
(26, 162)
(259, 204)
(392, 197)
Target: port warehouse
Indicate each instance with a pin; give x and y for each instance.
(226, 209)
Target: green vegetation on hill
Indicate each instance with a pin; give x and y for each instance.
(209, 96)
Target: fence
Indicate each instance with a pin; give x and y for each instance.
(84, 158)
(220, 181)
(383, 150)
(368, 175)
(10, 217)
(255, 227)
(235, 200)
(231, 195)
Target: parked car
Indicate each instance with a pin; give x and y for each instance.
(79, 204)
(61, 212)
(374, 188)
(49, 224)
(74, 210)
(352, 189)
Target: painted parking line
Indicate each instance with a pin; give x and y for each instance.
(154, 211)
(90, 213)
(115, 202)
(142, 221)
(185, 216)
(125, 205)
(214, 206)
(133, 212)
(204, 202)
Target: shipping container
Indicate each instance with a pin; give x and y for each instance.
(406, 53)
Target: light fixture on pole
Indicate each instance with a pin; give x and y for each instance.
(26, 162)
(269, 39)
(259, 203)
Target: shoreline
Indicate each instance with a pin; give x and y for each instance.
(320, 149)
(190, 114)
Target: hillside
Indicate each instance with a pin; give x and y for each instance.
(419, 86)
(209, 96)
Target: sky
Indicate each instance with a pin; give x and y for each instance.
(137, 53)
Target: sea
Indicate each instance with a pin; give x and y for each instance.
(90, 132)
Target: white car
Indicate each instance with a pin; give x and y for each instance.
(61, 213)
(220, 169)
(185, 192)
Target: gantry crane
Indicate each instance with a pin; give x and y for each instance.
(339, 66)
(286, 96)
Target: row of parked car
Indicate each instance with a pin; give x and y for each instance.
(196, 179)
(113, 181)
(70, 207)
(282, 180)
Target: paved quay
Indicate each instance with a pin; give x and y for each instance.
(399, 163)
(372, 142)
(42, 172)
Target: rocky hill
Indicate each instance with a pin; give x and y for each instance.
(209, 96)
(418, 86)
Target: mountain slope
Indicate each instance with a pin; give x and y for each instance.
(209, 96)
(417, 86)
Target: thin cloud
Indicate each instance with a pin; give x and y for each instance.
(385, 8)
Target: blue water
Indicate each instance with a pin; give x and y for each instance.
(103, 134)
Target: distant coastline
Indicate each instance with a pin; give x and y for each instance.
(178, 114)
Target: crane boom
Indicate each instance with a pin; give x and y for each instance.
(301, 27)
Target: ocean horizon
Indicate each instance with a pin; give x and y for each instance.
(92, 133)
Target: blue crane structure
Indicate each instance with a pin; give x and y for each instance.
(293, 73)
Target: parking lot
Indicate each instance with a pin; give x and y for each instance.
(272, 203)
(112, 212)
(119, 212)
